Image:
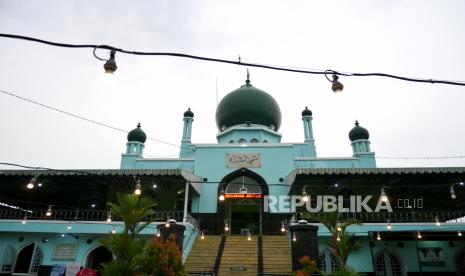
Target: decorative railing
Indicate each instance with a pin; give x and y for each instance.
(416, 216)
(82, 214)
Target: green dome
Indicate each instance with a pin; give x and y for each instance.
(306, 112)
(137, 135)
(248, 104)
(358, 133)
(189, 113)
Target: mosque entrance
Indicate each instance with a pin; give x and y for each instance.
(241, 208)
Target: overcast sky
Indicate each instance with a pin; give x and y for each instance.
(410, 38)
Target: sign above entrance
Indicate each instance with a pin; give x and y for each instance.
(243, 160)
(240, 196)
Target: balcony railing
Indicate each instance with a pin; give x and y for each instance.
(417, 216)
(82, 215)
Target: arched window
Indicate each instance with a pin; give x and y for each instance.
(231, 141)
(328, 262)
(254, 140)
(7, 259)
(242, 141)
(265, 141)
(388, 264)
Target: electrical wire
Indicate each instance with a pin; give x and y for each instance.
(239, 62)
(81, 117)
(180, 146)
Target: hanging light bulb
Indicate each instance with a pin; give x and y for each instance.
(167, 224)
(158, 234)
(384, 197)
(438, 223)
(336, 185)
(283, 228)
(31, 183)
(337, 86)
(137, 191)
(304, 194)
(49, 211)
(294, 238)
(459, 233)
(113, 230)
(68, 227)
(221, 197)
(338, 237)
(202, 236)
(388, 225)
(226, 226)
(110, 66)
(24, 221)
(62, 235)
(419, 235)
(338, 227)
(452, 192)
(249, 237)
(378, 236)
(109, 218)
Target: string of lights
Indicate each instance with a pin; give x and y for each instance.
(110, 65)
(180, 146)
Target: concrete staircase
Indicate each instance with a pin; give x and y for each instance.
(240, 256)
(276, 254)
(203, 254)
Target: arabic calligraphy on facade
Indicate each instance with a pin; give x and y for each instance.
(243, 160)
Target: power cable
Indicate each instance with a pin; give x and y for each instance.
(180, 146)
(240, 63)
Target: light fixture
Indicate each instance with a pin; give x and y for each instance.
(49, 211)
(419, 235)
(158, 234)
(221, 197)
(113, 230)
(68, 227)
(452, 192)
(294, 238)
(459, 233)
(24, 220)
(384, 197)
(304, 194)
(137, 191)
(338, 237)
(336, 185)
(110, 64)
(39, 184)
(167, 223)
(154, 186)
(438, 223)
(92, 205)
(338, 227)
(109, 218)
(283, 228)
(62, 235)
(388, 225)
(31, 183)
(226, 226)
(378, 236)
(202, 236)
(249, 237)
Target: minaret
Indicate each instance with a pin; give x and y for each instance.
(134, 148)
(359, 137)
(308, 132)
(186, 149)
(136, 140)
(361, 146)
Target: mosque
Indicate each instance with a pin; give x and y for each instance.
(237, 194)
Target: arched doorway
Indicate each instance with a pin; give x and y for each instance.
(242, 208)
(29, 259)
(97, 257)
(388, 263)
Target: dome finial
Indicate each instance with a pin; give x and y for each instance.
(356, 122)
(138, 125)
(248, 77)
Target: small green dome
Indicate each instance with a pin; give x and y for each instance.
(248, 104)
(137, 135)
(358, 133)
(306, 112)
(189, 113)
